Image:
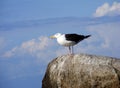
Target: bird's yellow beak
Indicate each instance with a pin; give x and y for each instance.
(52, 37)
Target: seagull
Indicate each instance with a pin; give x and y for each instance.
(69, 40)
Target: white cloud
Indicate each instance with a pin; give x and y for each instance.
(107, 10)
(31, 55)
(10, 53)
(104, 40)
(33, 47)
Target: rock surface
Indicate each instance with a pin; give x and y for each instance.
(82, 71)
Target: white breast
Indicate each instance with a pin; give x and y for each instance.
(62, 41)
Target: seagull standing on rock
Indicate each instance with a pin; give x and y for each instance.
(69, 40)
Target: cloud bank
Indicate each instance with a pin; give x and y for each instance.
(33, 47)
(104, 40)
(104, 31)
(107, 10)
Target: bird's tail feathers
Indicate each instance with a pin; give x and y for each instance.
(87, 36)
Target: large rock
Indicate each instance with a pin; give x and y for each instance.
(82, 71)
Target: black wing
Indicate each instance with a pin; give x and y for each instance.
(74, 37)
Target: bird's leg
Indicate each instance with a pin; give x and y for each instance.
(69, 49)
(72, 51)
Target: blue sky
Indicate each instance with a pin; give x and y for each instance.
(25, 27)
(15, 10)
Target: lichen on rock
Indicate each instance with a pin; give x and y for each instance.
(82, 71)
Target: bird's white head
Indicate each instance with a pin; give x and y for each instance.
(57, 35)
